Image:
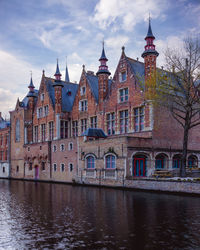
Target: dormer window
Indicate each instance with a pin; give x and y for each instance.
(122, 76)
(83, 90)
(42, 97)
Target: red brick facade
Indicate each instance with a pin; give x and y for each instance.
(140, 137)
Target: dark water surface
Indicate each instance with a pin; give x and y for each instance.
(56, 216)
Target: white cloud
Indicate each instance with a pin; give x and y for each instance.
(127, 12)
(117, 42)
(171, 42)
(14, 79)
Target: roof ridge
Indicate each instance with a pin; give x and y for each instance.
(129, 58)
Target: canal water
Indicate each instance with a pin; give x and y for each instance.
(57, 216)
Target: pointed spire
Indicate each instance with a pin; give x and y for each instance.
(57, 74)
(31, 88)
(149, 47)
(103, 55)
(103, 68)
(66, 73)
(149, 33)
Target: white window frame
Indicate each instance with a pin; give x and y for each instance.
(62, 147)
(55, 165)
(83, 105)
(70, 146)
(54, 148)
(110, 169)
(61, 167)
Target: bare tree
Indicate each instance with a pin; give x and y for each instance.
(178, 89)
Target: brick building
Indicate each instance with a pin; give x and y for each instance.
(100, 131)
(4, 147)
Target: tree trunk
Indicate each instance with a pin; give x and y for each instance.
(185, 148)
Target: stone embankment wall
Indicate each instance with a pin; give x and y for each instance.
(174, 186)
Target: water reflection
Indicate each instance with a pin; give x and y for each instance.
(55, 216)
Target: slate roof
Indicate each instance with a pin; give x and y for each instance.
(94, 85)
(24, 102)
(94, 132)
(103, 55)
(68, 93)
(149, 33)
(4, 123)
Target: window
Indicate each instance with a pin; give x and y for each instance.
(83, 125)
(122, 76)
(110, 119)
(43, 130)
(123, 95)
(161, 161)
(54, 167)
(54, 148)
(110, 162)
(30, 166)
(70, 167)
(51, 131)
(42, 97)
(62, 147)
(176, 163)
(90, 162)
(1, 155)
(70, 146)
(139, 119)
(75, 128)
(123, 121)
(83, 105)
(192, 161)
(83, 90)
(62, 167)
(3, 169)
(93, 122)
(35, 134)
(39, 113)
(6, 155)
(6, 139)
(43, 166)
(17, 169)
(63, 129)
(17, 131)
(46, 110)
(1, 140)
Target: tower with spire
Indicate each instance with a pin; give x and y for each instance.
(31, 102)
(66, 74)
(103, 78)
(58, 85)
(150, 54)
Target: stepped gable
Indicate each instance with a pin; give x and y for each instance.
(94, 85)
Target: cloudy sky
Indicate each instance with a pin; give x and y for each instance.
(33, 33)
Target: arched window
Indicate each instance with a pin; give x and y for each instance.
(17, 131)
(176, 161)
(161, 161)
(90, 162)
(192, 161)
(110, 162)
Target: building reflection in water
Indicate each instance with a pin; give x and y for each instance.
(43, 215)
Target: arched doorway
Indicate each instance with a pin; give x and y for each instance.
(36, 172)
(139, 165)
